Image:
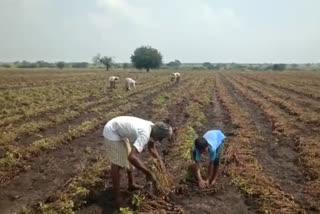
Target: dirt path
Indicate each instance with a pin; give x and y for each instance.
(277, 155)
(51, 170)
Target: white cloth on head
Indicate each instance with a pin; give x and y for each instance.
(113, 78)
(136, 130)
(175, 75)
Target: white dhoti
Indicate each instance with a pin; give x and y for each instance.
(118, 152)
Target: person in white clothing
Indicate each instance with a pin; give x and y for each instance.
(112, 81)
(175, 77)
(125, 137)
(129, 83)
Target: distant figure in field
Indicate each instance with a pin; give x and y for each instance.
(129, 83)
(211, 143)
(125, 137)
(112, 81)
(175, 77)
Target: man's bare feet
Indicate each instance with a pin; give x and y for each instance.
(120, 203)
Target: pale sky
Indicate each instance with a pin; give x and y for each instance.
(243, 31)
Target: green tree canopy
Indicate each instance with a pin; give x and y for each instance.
(126, 65)
(146, 57)
(207, 65)
(60, 65)
(175, 63)
(279, 67)
(106, 61)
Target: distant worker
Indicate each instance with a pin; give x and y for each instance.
(125, 137)
(175, 77)
(211, 143)
(112, 81)
(129, 83)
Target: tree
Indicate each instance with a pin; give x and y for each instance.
(106, 61)
(176, 63)
(146, 57)
(60, 65)
(125, 65)
(279, 67)
(25, 64)
(44, 64)
(5, 65)
(207, 65)
(79, 65)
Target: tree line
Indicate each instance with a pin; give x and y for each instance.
(146, 57)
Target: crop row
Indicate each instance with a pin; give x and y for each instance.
(30, 103)
(286, 83)
(242, 165)
(10, 135)
(14, 161)
(26, 79)
(184, 108)
(283, 125)
(295, 107)
(74, 194)
(306, 143)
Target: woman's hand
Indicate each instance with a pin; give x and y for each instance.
(203, 184)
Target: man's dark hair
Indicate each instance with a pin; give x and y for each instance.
(201, 143)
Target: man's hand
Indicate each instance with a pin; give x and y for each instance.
(203, 184)
(161, 164)
(153, 151)
(136, 162)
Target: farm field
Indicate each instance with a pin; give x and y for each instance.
(52, 157)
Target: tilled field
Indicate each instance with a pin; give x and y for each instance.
(52, 157)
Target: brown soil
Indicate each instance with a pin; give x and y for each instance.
(102, 202)
(51, 170)
(26, 139)
(277, 155)
(225, 198)
(286, 90)
(45, 115)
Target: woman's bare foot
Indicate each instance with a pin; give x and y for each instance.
(212, 183)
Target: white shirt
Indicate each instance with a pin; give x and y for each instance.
(135, 129)
(130, 81)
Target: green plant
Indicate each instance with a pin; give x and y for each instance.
(138, 199)
(126, 210)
